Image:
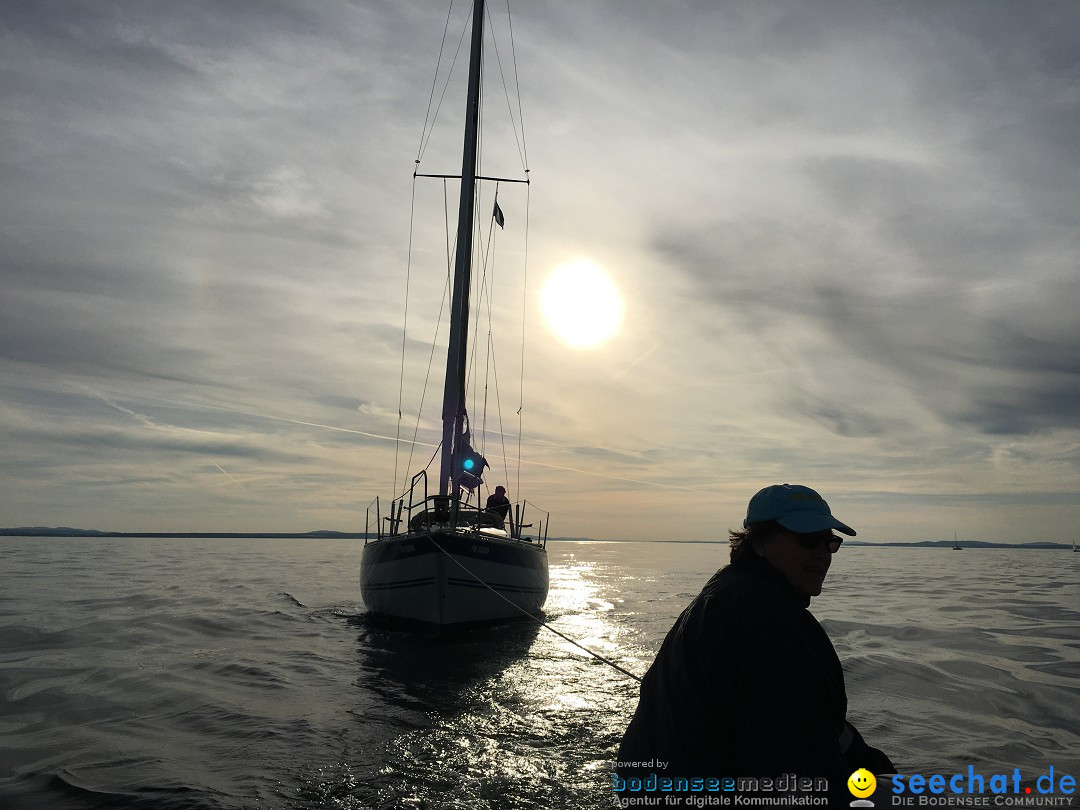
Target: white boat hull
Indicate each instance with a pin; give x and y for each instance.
(445, 577)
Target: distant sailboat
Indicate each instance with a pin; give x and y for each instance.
(956, 545)
(1075, 547)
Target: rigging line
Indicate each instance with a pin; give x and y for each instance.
(404, 334)
(517, 86)
(435, 338)
(494, 370)
(484, 296)
(485, 299)
(446, 225)
(426, 136)
(478, 177)
(524, 312)
(492, 366)
(487, 291)
(434, 83)
(534, 617)
(427, 376)
(518, 141)
(434, 455)
(470, 379)
(477, 291)
(498, 412)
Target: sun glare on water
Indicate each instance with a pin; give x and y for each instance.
(581, 304)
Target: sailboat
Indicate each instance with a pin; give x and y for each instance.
(1075, 547)
(437, 559)
(955, 544)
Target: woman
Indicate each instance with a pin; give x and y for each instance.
(747, 684)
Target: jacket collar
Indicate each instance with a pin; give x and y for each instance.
(759, 567)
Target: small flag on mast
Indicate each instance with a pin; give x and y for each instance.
(499, 219)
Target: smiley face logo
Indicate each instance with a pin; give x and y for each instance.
(861, 783)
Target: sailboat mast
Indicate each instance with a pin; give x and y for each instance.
(454, 391)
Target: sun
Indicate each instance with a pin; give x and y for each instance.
(581, 304)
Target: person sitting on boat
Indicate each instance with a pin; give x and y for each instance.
(498, 504)
(747, 683)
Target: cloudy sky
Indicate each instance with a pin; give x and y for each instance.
(846, 236)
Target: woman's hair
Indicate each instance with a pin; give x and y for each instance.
(742, 540)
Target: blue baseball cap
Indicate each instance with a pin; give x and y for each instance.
(796, 508)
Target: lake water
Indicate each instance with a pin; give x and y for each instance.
(200, 673)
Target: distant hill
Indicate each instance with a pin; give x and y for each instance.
(65, 531)
(45, 531)
(961, 543)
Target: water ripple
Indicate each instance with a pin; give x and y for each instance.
(225, 674)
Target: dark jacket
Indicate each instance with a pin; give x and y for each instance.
(498, 505)
(746, 684)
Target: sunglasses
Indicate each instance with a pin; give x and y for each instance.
(811, 541)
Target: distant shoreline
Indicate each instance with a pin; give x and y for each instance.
(42, 531)
(64, 531)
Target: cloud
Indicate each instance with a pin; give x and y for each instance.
(846, 237)
(920, 232)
